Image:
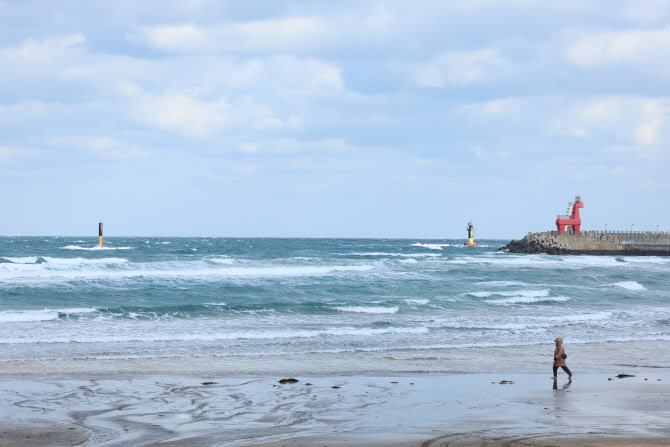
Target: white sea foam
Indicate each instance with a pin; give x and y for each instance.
(431, 246)
(528, 299)
(95, 247)
(78, 310)
(469, 324)
(522, 293)
(409, 261)
(215, 304)
(180, 270)
(22, 259)
(519, 296)
(368, 309)
(404, 255)
(646, 260)
(26, 316)
(82, 261)
(23, 316)
(416, 301)
(54, 266)
(630, 285)
(222, 261)
(540, 261)
(597, 316)
(216, 336)
(502, 283)
(480, 294)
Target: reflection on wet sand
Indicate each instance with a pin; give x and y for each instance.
(401, 410)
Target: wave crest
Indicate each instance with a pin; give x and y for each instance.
(630, 285)
(368, 309)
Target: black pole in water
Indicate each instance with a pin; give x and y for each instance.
(100, 234)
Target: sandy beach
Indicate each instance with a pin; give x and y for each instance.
(411, 410)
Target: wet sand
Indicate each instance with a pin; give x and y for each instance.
(408, 410)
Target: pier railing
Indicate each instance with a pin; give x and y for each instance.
(644, 242)
(626, 232)
(616, 233)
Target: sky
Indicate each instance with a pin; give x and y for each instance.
(332, 119)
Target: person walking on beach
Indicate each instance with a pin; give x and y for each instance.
(559, 359)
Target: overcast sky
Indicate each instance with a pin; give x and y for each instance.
(344, 119)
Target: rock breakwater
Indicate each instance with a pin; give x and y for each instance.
(536, 243)
(592, 243)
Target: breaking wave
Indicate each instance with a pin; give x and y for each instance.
(630, 285)
(95, 247)
(416, 301)
(35, 273)
(403, 255)
(432, 246)
(368, 310)
(217, 336)
(25, 316)
(524, 293)
(527, 299)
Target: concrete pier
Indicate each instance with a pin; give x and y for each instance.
(628, 243)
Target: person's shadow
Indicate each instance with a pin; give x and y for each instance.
(564, 387)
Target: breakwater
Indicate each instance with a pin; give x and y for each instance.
(628, 243)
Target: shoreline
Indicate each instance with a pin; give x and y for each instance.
(407, 409)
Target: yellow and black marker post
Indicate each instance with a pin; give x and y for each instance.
(100, 234)
(471, 235)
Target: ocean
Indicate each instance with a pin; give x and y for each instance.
(322, 306)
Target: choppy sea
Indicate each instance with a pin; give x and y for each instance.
(326, 306)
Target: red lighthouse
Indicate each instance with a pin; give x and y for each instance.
(572, 220)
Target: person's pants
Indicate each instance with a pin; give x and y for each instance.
(565, 368)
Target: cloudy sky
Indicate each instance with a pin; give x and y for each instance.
(347, 118)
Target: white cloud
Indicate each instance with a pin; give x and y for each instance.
(28, 109)
(42, 51)
(560, 127)
(85, 142)
(194, 114)
(304, 76)
(497, 108)
(460, 68)
(649, 49)
(277, 123)
(177, 111)
(601, 113)
(636, 122)
(355, 27)
(293, 146)
(178, 38)
(7, 153)
(479, 153)
(105, 147)
(646, 11)
(263, 35)
(630, 149)
(646, 134)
